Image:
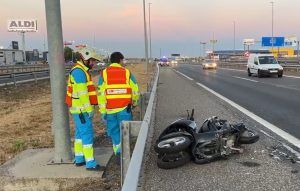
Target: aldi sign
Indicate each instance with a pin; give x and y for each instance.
(275, 41)
(22, 25)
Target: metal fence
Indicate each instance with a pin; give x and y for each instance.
(24, 77)
(21, 69)
(132, 161)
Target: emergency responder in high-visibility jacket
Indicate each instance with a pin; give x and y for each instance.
(81, 98)
(118, 92)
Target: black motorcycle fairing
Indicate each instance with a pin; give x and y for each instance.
(212, 124)
(181, 125)
(176, 134)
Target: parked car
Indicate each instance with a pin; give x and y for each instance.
(263, 65)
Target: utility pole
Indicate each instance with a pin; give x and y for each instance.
(234, 37)
(146, 39)
(44, 43)
(159, 52)
(24, 46)
(62, 144)
(203, 44)
(150, 41)
(298, 52)
(272, 41)
(213, 41)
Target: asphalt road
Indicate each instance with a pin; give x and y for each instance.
(256, 169)
(276, 100)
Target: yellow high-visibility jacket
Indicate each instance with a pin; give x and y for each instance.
(116, 89)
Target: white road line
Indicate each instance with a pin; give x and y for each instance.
(184, 75)
(292, 76)
(232, 69)
(244, 79)
(288, 137)
(288, 76)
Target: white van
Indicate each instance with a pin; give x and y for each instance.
(263, 64)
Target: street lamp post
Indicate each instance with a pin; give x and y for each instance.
(146, 39)
(60, 123)
(150, 41)
(213, 41)
(272, 41)
(203, 44)
(234, 37)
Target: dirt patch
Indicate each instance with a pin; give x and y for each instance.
(26, 115)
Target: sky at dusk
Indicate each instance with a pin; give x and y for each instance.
(177, 26)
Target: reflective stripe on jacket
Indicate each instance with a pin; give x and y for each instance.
(81, 92)
(117, 89)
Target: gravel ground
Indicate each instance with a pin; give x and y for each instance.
(258, 168)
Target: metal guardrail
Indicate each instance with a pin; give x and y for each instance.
(20, 69)
(14, 77)
(32, 76)
(25, 68)
(131, 170)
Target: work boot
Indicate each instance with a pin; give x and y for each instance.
(96, 168)
(80, 164)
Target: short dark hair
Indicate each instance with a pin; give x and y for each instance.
(116, 57)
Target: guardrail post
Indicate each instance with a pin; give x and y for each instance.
(125, 149)
(141, 101)
(143, 104)
(34, 76)
(14, 79)
(129, 130)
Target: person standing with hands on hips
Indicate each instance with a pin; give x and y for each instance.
(118, 92)
(81, 98)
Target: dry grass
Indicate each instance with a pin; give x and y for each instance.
(26, 115)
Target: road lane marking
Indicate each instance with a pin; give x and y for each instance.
(288, 76)
(232, 69)
(292, 76)
(184, 75)
(288, 137)
(244, 79)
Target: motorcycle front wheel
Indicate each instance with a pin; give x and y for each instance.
(172, 145)
(173, 160)
(248, 137)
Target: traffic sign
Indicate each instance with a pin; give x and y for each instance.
(249, 41)
(275, 41)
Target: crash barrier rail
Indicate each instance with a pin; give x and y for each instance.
(14, 78)
(20, 69)
(32, 76)
(131, 164)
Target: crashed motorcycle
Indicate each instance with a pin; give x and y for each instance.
(183, 140)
